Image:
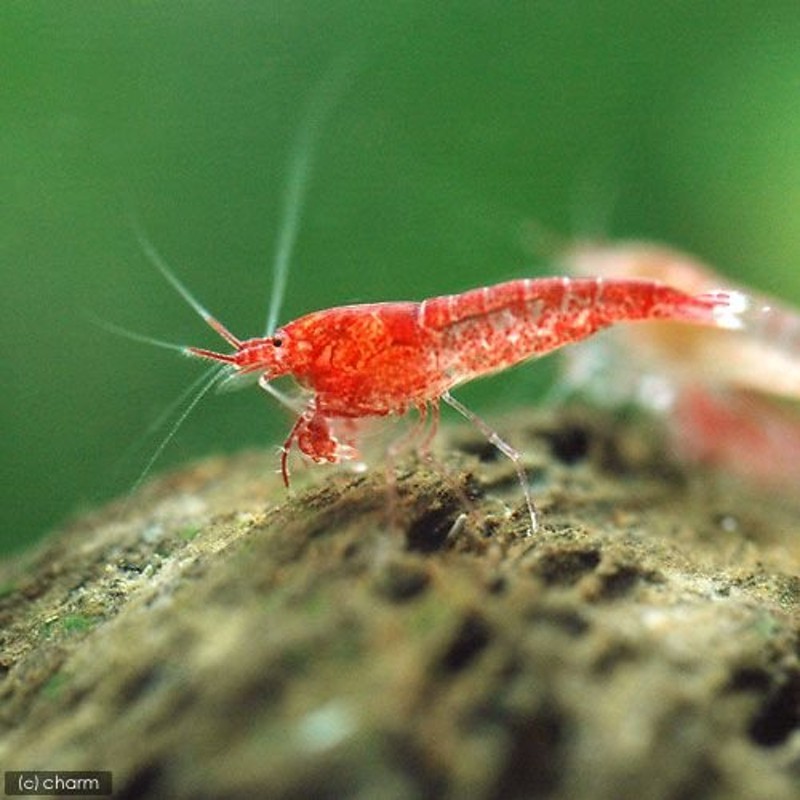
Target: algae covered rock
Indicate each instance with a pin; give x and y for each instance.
(214, 637)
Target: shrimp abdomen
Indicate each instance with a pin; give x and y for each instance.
(494, 327)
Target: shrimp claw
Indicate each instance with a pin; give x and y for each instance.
(314, 437)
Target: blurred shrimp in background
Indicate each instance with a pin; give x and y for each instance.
(730, 398)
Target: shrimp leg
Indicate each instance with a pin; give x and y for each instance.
(504, 447)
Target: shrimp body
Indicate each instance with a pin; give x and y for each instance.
(493, 328)
(378, 359)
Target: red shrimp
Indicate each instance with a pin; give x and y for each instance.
(379, 359)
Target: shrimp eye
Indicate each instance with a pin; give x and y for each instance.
(277, 341)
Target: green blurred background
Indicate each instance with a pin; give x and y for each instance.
(464, 121)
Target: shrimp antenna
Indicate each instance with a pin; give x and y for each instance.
(126, 333)
(206, 381)
(318, 109)
(155, 258)
(163, 418)
(193, 393)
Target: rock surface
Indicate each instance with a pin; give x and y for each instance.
(212, 637)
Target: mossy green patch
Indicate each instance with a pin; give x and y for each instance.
(77, 623)
(55, 686)
(68, 624)
(190, 532)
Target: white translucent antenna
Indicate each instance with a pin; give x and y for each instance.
(161, 265)
(207, 379)
(204, 388)
(118, 330)
(320, 103)
(188, 392)
(161, 420)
